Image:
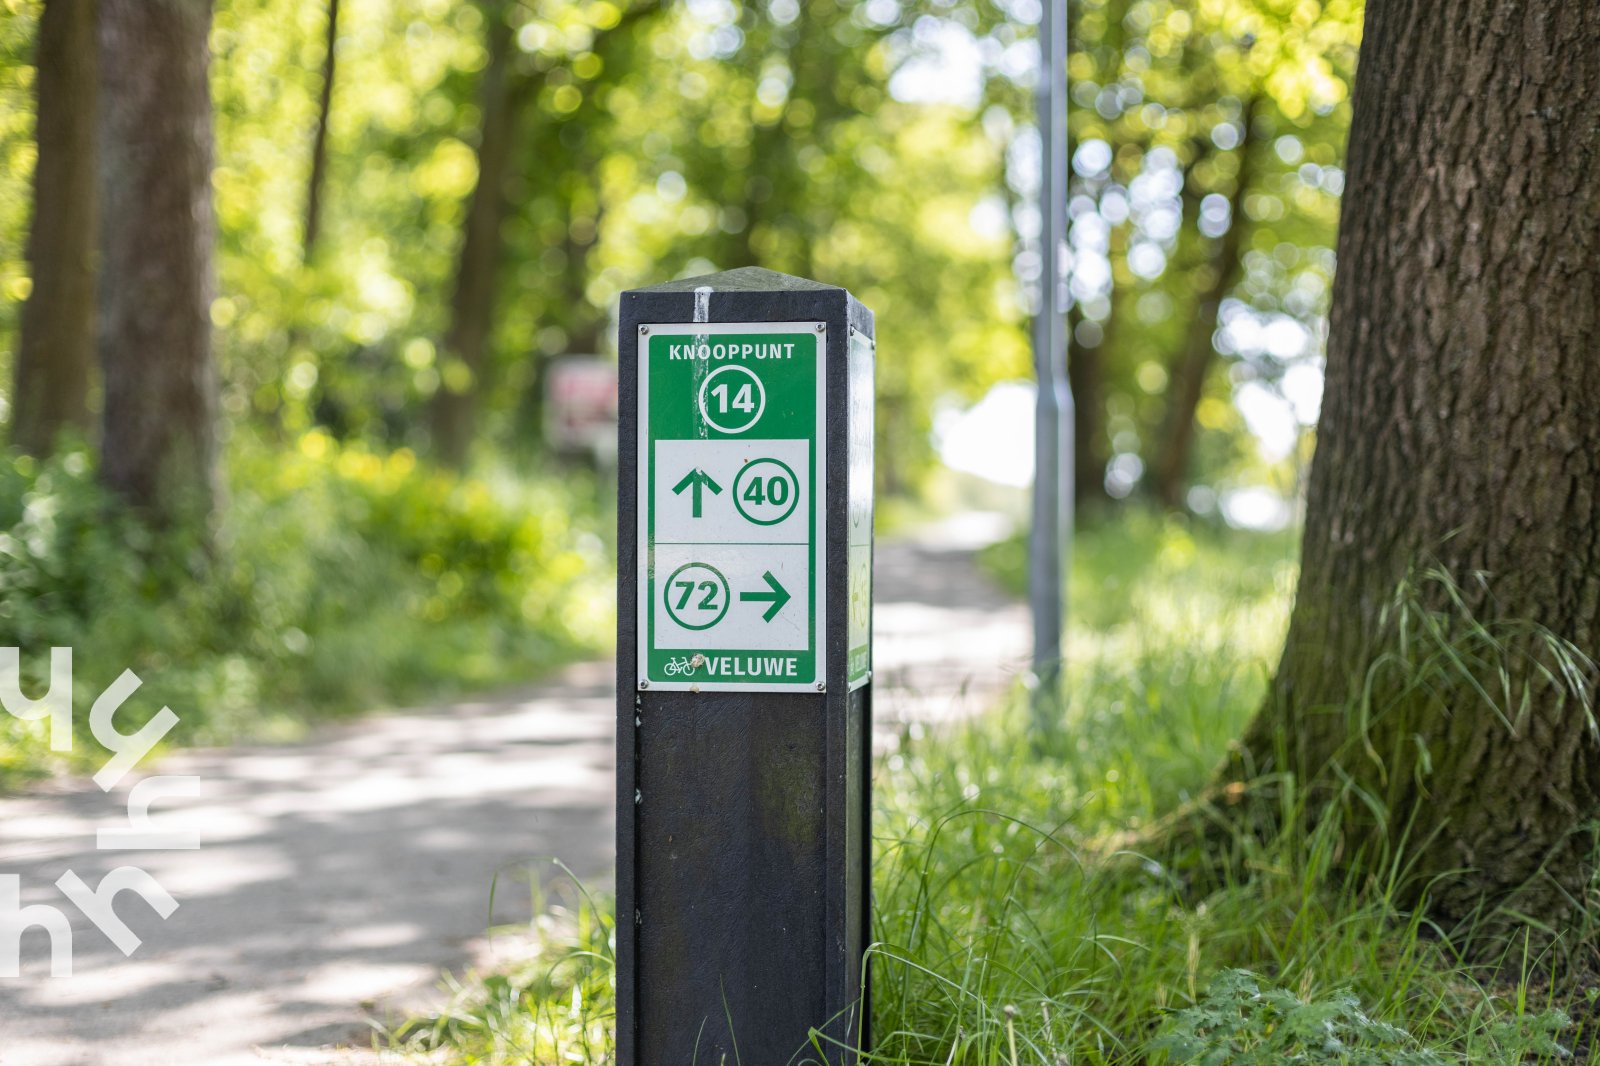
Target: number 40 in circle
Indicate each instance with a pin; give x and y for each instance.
(766, 491)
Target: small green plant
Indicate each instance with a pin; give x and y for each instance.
(1011, 930)
(1239, 1023)
(556, 1006)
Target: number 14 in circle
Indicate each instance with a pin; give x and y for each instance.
(732, 399)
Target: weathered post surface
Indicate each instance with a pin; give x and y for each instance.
(744, 667)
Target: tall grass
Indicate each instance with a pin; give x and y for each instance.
(1012, 928)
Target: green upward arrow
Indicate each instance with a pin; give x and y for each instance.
(700, 480)
(777, 597)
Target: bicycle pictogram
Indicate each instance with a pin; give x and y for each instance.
(684, 664)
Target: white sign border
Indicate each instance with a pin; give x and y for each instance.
(645, 549)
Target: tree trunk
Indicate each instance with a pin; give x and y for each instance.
(1192, 363)
(1459, 433)
(160, 446)
(316, 180)
(506, 95)
(455, 405)
(319, 142)
(1086, 378)
(51, 390)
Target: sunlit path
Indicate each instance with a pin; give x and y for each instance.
(948, 640)
(332, 873)
(338, 876)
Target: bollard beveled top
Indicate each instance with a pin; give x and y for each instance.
(744, 279)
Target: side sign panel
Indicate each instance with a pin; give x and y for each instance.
(730, 514)
(862, 354)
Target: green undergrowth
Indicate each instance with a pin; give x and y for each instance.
(1013, 927)
(339, 579)
(1141, 555)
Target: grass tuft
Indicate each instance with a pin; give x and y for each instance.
(1013, 928)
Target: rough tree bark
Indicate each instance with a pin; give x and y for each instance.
(56, 349)
(1460, 430)
(159, 444)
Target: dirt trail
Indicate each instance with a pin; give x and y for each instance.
(339, 875)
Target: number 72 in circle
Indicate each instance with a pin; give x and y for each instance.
(696, 596)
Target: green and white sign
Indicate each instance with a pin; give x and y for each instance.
(731, 523)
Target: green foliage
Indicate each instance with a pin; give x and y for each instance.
(776, 143)
(1014, 925)
(18, 20)
(660, 140)
(1237, 1023)
(343, 578)
(1194, 125)
(1144, 565)
(345, 340)
(556, 1006)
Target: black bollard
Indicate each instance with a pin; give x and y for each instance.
(744, 669)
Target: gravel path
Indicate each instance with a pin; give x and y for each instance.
(339, 875)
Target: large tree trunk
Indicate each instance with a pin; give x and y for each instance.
(1461, 433)
(159, 448)
(455, 405)
(51, 391)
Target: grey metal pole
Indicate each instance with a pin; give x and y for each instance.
(1051, 530)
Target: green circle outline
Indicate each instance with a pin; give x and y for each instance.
(705, 409)
(666, 600)
(793, 503)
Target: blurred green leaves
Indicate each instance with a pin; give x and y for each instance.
(879, 144)
(342, 579)
(883, 145)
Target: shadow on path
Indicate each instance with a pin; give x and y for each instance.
(338, 872)
(348, 870)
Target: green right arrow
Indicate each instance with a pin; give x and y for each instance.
(777, 597)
